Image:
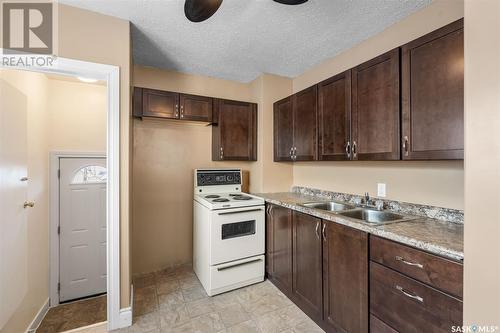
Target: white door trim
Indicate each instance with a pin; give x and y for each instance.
(54, 157)
(111, 74)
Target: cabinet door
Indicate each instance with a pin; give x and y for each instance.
(161, 104)
(334, 118)
(307, 264)
(433, 95)
(198, 108)
(137, 102)
(235, 134)
(283, 130)
(305, 124)
(281, 262)
(345, 278)
(375, 108)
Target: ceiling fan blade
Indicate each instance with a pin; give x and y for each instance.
(200, 10)
(291, 2)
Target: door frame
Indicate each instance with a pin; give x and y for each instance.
(116, 318)
(54, 221)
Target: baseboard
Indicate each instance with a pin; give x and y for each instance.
(39, 317)
(87, 328)
(125, 317)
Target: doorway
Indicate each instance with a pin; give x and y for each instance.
(110, 75)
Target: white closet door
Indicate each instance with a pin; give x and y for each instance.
(13, 191)
(82, 241)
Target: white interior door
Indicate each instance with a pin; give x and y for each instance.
(13, 191)
(82, 214)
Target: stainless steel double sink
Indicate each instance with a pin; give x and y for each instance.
(364, 214)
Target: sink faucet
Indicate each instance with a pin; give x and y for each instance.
(378, 204)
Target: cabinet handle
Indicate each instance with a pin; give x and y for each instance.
(398, 258)
(24, 179)
(291, 153)
(176, 110)
(182, 111)
(323, 231)
(406, 144)
(354, 149)
(294, 153)
(221, 154)
(317, 230)
(348, 149)
(407, 294)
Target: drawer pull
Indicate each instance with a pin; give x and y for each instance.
(418, 298)
(238, 264)
(398, 258)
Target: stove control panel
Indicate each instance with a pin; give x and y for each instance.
(218, 177)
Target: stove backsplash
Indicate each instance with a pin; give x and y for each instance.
(439, 213)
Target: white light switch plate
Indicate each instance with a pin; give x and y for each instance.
(381, 190)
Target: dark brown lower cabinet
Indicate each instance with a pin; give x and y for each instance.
(307, 264)
(345, 279)
(325, 269)
(378, 326)
(279, 247)
(407, 305)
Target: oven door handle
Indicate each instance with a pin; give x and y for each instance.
(240, 211)
(238, 264)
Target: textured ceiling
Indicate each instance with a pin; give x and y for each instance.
(248, 37)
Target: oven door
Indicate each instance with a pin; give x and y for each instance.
(236, 233)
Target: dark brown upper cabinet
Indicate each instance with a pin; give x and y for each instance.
(295, 124)
(234, 132)
(283, 130)
(305, 141)
(375, 109)
(334, 118)
(197, 108)
(160, 104)
(433, 95)
(171, 105)
(307, 264)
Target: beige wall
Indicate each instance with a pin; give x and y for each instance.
(434, 183)
(77, 116)
(482, 163)
(167, 152)
(55, 122)
(89, 36)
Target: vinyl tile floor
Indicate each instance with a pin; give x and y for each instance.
(174, 301)
(73, 315)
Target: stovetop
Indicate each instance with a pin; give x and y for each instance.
(228, 200)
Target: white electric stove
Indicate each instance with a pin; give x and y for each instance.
(228, 232)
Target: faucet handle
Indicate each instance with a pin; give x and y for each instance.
(379, 205)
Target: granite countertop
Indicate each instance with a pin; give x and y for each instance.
(440, 237)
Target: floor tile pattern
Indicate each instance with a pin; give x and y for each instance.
(173, 301)
(72, 315)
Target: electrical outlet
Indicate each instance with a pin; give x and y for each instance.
(381, 190)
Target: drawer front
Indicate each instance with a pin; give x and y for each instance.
(235, 274)
(410, 306)
(443, 274)
(378, 326)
